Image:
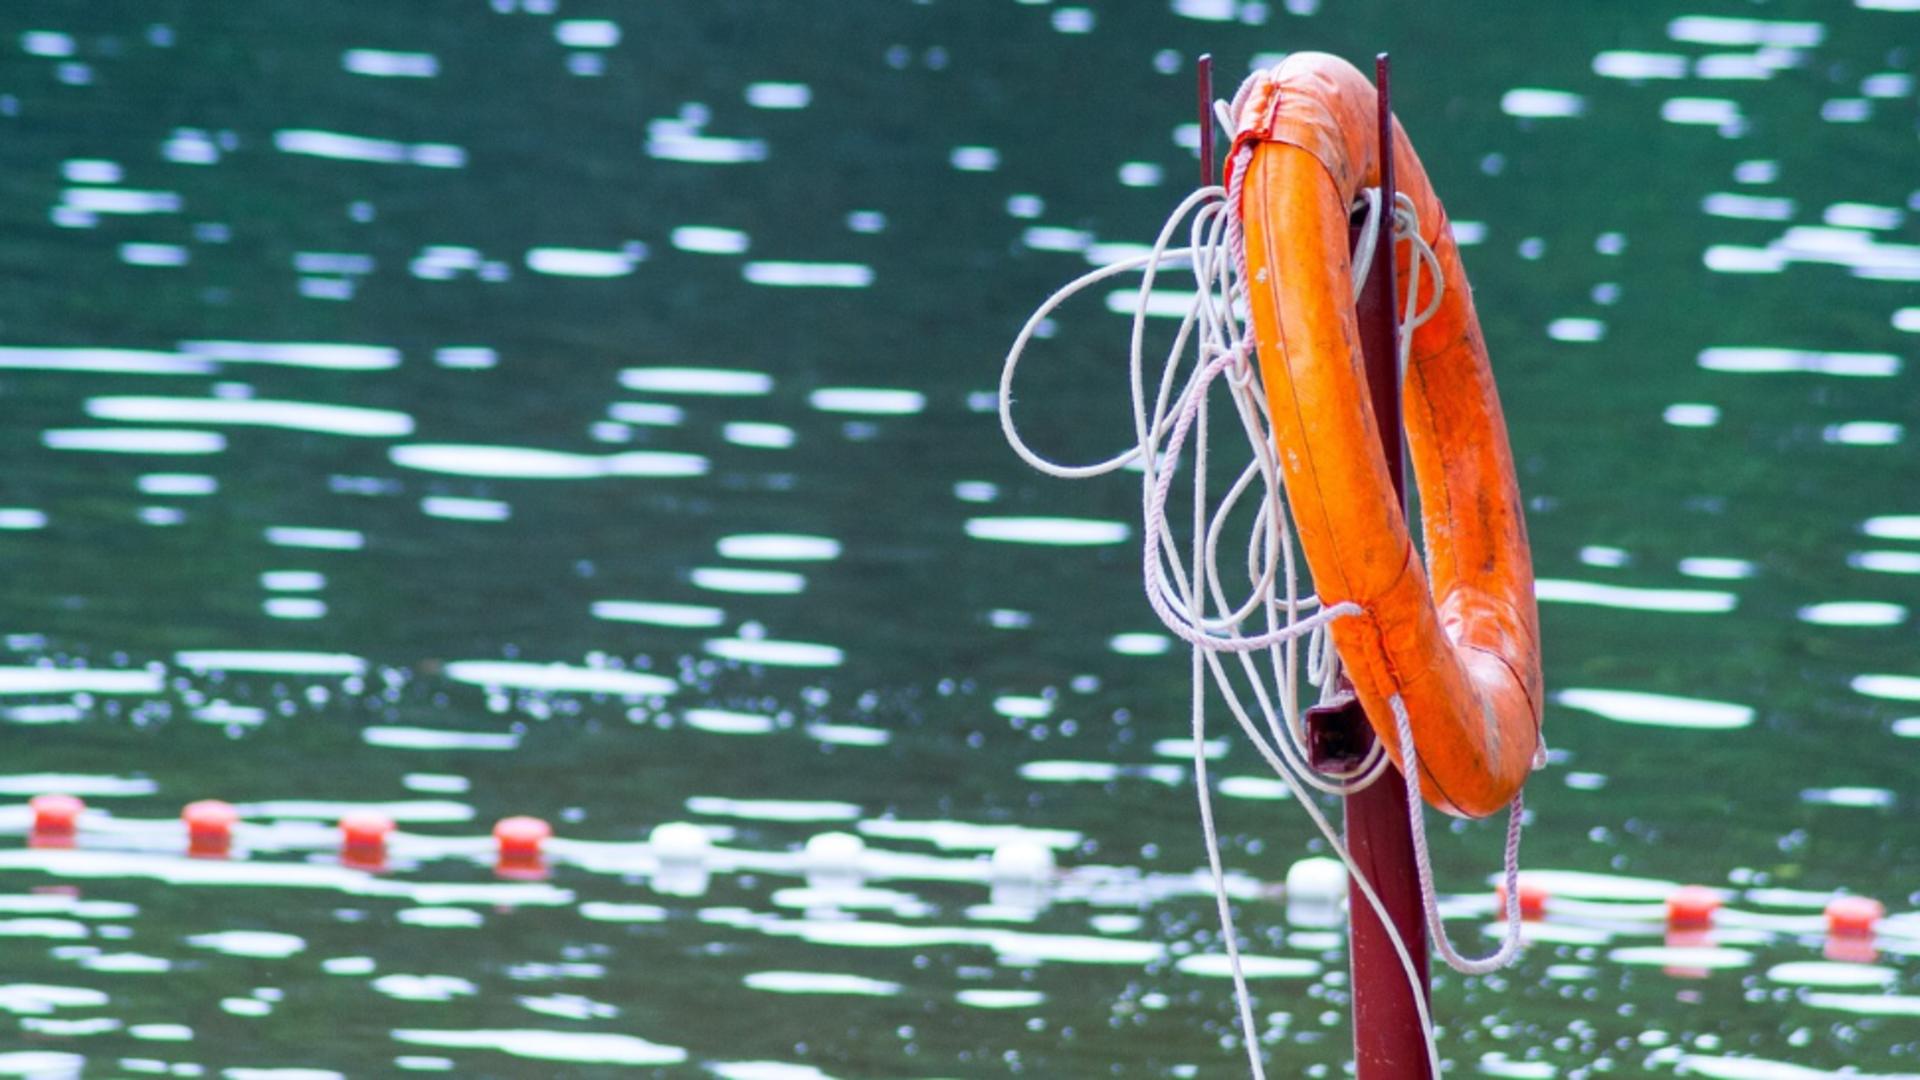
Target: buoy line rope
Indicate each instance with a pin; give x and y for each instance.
(1215, 329)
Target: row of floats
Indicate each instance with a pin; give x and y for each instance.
(1563, 908)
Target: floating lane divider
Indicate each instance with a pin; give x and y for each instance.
(1533, 899)
(363, 840)
(210, 825)
(56, 820)
(1020, 873)
(521, 847)
(1852, 922)
(1692, 907)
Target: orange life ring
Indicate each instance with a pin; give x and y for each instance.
(1458, 639)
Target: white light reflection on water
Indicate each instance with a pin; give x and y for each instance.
(103, 360)
(752, 582)
(380, 63)
(1717, 568)
(966, 836)
(178, 484)
(776, 653)
(85, 785)
(559, 678)
(1017, 948)
(1053, 531)
(51, 680)
(818, 275)
(54, 929)
(1691, 415)
(1748, 207)
(1849, 215)
(587, 33)
(466, 357)
(272, 662)
(1707, 957)
(395, 737)
(297, 536)
(1140, 644)
(1576, 330)
(764, 1070)
(293, 415)
(1853, 613)
(1497, 1064)
(1863, 433)
(148, 441)
(441, 918)
(576, 1047)
(1636, 66)
(1890, 687)
(1000, 999)
(1099, 772)
(1182, 748)
(728, 722)
(779, 547)
(326, 356)
(867, 401)
(408, 811)
(459, 509)
(849, 734)
(1253, 966)
(120, 201)
(818, 982)
(1696, 601)
(532, 463)
(1533, 102)
(1258, 788)
(138, 254)
(1658, 710)
(1719, 30)
(709, 240)
(584, 263)
(1866, 798)
(1731, 1068)
(1023, 707)
(974, 158)
(1893, 527)
(773, 809)
(258, 944)
(646, 413)
(1712, 112)
(697, 380)
(1866, 1005)
(679, 139)
(1885, 562)
(779, 95)
(294, 607)
(659, 614)
(339, 146)
(48, 43)
(759, 435)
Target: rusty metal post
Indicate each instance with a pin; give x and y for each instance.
(1387, 1040)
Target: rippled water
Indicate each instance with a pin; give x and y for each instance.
(583, 411)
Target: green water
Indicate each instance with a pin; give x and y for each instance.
(1698, 285)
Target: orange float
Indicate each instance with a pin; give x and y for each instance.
(1457, 639)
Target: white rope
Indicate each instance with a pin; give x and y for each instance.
(1190, 594)
(1510, 865)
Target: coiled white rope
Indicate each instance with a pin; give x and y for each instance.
(1214, 330)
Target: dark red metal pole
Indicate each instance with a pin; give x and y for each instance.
(1387, 1040)
(1204, 71)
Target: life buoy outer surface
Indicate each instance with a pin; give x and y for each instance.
(1459, 638)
